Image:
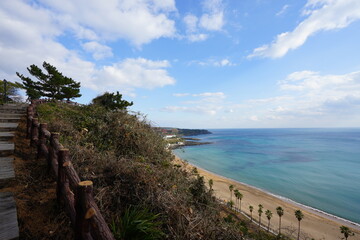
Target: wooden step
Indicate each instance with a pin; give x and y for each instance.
(8, 127)
(9, 228)
(6, 168)
(6, 136)
(6, 149)
(4, 119)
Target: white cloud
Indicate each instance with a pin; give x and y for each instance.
(215, 63)
(213, 21)
(133, 73)
(323, 15)
(210, 94)
(197, 37)
(191, 23)
(269, 100)
(310, 99)
(213, 18)
(309, 80)
(181, 94)
(224, 62)
(29, 35)
(118, 19)
(197, 109)
(98, 50)
(254, 118)
(283, 10)
(208, 103)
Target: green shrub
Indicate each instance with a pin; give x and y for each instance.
(137, 224)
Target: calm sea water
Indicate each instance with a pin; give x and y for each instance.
(319, 168)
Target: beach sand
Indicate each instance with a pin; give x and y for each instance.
(314, 224)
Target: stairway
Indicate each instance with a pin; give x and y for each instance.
(10, 115)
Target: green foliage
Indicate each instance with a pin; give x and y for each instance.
(112, 101)
(11, 90)
(260, 210)
(52, 84)
(211, 183)
(198, 191)
(268, 214)
(280, 211)
(137, 224)
(346, 231)
(229, 219)
(299, 215)
(230, 204)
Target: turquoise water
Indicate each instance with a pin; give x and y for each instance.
(319, 168)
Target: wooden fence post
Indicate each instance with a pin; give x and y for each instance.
(62, 181)
(73, 180)
(42, 148)
(53, 152)
(30, 113)
(84, 212)
(34, 132)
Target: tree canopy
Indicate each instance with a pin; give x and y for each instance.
(52, 84)
(112, 101)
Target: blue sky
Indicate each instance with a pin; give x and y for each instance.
(199, 64)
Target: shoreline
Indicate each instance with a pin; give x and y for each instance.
(316, 223)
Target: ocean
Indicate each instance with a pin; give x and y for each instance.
(319, 168)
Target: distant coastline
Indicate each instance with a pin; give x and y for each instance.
(193, 132)
(182, 137)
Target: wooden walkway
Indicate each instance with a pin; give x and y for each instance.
(9, 116)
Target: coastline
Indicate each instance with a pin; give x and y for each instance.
(316, 223)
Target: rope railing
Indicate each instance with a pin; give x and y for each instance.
(75, 195)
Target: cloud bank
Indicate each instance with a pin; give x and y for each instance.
(321, 15)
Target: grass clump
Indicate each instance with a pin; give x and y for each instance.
(137, 224)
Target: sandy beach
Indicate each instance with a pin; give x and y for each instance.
(314, 224)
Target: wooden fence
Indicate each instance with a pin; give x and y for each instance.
(75, 195)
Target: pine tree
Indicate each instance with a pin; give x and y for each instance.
(52, 84)
(112, 101)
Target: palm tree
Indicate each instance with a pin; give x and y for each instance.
(231, 188)
(240, 196)
(230, 204)
(346, 231)
(236, 194)
(299, 215)
(268, 214)
(260, 211)
(211, 183)
(280, 212)
(251, 208)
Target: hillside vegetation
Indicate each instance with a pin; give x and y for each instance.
(140, 192)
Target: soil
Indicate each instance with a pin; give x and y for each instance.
(34, 189)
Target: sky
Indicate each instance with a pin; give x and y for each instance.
(200, 63)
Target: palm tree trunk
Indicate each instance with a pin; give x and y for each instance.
(251, 216)
(259, 221)
(280, 225)
(240, 205)
(298, 232)
(269, 225)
